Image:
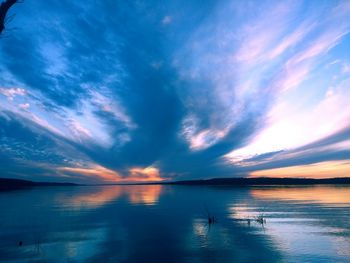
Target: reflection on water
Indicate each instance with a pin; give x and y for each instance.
(337, 195)
(169, 224)
(144, 194)
(94, 197)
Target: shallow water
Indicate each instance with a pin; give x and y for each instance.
(169, 224)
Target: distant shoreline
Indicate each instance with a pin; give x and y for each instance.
(14, 184)
(264, 181)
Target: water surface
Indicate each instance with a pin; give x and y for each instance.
(170, 224)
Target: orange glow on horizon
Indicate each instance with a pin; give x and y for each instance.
(316, 170)
(95, 171)
(148, 174)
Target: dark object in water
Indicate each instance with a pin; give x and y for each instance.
(261, 220)
(20, 243)
(211, 220)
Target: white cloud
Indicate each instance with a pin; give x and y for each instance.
(167, 20)
(290, 127)
(11, 93)
(24, 106)
(346, 68)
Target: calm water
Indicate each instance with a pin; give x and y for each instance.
(169, 224)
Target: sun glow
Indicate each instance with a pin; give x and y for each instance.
(148, 174)
(315, 170)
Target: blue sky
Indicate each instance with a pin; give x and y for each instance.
(122, 91)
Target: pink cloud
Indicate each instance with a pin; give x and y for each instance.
(11, 93)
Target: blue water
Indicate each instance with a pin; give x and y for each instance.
(170, 224)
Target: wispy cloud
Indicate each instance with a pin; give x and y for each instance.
(11, 93)
(96, 171)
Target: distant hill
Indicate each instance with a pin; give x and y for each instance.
(263, 181)
(13, 184)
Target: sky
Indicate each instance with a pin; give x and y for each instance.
(134, 91)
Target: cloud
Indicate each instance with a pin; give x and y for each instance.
(346, 68)
(99, 173)
(11, 93)
(334, 147)
(148, 174)
(148, 91)
(96, 171)
(24, 106)
(259, 36)
(328, 116)
(167, 20)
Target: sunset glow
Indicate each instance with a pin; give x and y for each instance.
(315, 170)
(175, 131)
(128, 92)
